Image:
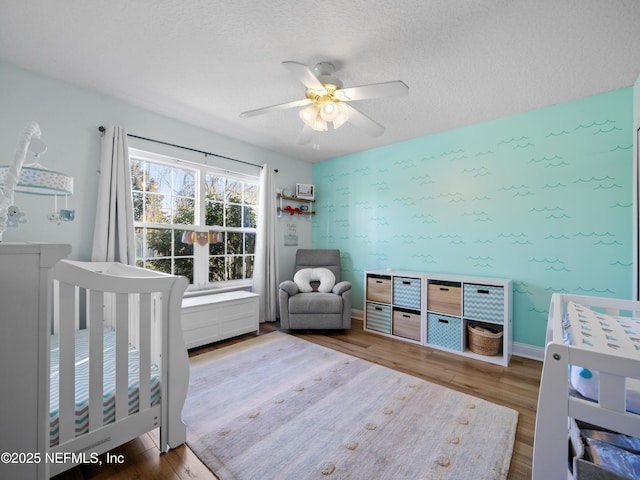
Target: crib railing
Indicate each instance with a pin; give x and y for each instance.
(556, 404)
(138, 305)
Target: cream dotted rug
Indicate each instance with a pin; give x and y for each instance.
(279, 407)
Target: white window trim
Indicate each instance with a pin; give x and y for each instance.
(200, 253)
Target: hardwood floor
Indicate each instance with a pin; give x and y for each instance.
(515, 387)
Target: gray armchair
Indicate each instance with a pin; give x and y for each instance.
(316, 310)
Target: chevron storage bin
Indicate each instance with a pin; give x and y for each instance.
(445, 331)
(379, 317)
(406, 292)
(483, 302)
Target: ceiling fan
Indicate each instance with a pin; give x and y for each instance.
(325, 101)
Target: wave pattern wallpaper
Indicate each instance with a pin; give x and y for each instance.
(544, 198)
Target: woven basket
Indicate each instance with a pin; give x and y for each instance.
(484, 340)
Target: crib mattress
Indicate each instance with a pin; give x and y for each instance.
(82, 383)
(605, 333)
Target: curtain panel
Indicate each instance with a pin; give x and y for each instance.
(113, 235)
(265, 272)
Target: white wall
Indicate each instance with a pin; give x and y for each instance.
(69, 118)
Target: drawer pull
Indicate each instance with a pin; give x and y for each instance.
(442, 320)
(379, 309)
(486, 292)
(379, 281)
(406, 316)
(444, 289)
(405, 282)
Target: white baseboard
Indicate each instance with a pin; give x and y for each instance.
(519, 349)
(528, 351)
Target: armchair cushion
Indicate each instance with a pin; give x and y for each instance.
(316, 303)
(305, 276)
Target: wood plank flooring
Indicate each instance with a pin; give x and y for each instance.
(515, 386)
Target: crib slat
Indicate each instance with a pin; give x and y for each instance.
(67, 317)
(56, 311)
(144, 347)
(122, 357)
(95, 312)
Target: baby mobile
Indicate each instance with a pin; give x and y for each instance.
(31, 178)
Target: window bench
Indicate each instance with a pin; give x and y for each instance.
(213, 317)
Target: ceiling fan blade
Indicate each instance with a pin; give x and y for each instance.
(395, 88)
(275, 108)
(364, 123)
(305, 75)
(306, 135)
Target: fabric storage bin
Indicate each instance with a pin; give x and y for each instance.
(484, 302)
(444, 297)
(379, 317)
(583, 464)
(379, 288)
(444, 331)
(406, 292)
(406, 323)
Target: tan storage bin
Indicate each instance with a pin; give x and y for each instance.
(406, 323)
(444, 297)
(378, 289)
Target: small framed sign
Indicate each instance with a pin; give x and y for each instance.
(305, 191)
(291, 235)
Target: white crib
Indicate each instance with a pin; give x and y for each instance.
(117, 361)
(618, 368)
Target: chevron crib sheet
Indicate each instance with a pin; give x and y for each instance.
(82, 383)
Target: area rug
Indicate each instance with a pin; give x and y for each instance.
(279, 407)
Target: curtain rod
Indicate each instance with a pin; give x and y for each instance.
(206, 154)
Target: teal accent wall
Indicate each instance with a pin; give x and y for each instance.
(544, 198)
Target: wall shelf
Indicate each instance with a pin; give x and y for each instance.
(294, 210)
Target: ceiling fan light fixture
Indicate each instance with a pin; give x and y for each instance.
(329, 110)
(311, 117)
(326, 101)
(341, 117)
(309, 114)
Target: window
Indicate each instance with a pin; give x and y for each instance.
(193, 220)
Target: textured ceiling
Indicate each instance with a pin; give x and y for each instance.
(206, 61)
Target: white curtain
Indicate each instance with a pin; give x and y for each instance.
(265, 270)
(113, 238)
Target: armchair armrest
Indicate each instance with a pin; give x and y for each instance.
(341, 287)
(290, 287)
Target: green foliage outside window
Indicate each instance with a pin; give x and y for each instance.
(165, 211)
